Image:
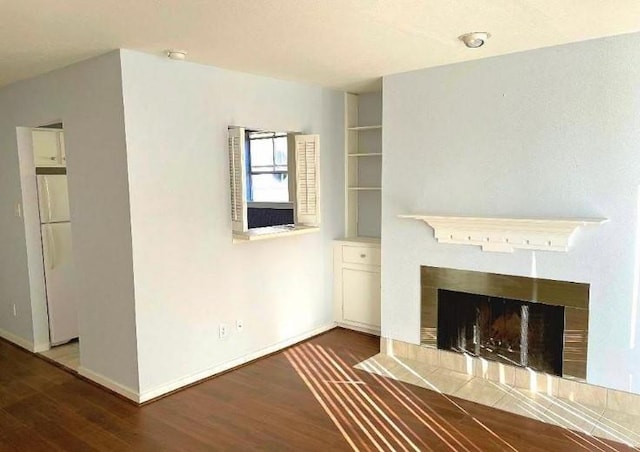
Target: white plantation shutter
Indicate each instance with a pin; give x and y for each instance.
(307, 173)
(237, 179)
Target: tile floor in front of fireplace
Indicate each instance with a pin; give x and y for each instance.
(608, 424)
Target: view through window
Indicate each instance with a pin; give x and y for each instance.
(267, 178)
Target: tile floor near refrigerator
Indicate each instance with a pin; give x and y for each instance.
(598, 422)
(67, 355)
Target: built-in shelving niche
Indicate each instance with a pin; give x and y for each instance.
(363, 164)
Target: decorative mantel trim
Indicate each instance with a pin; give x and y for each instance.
(506, 234)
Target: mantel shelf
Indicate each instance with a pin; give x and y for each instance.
(506, 234)
(366, 154)
(359, 128)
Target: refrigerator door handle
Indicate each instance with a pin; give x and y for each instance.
(46, 254)
(48, 194)
(50, 248)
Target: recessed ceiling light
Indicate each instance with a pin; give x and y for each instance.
(474, 39)
(177, 54)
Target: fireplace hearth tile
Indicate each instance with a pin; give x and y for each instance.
(385, 345)
(381, 364)
(574, 416)
(496, 372)
(536, 382)
(621, 427)
(417, 367)
(593, 420)
(427, 355)
(403, 349)
(582, 393)
(525, 403)
(623, 402)
(482, 391)
(445, 381)
(456, 362)
(402, 369)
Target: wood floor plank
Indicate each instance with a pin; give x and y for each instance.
(308, 398)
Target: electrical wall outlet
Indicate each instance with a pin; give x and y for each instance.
(239, 326)
(223, 331)
(15, 311)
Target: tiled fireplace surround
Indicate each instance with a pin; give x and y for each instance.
(574, 297)
(569, 389)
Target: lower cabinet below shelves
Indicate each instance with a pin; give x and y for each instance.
(357, 285)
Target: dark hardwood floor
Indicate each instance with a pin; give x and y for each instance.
(306, 398)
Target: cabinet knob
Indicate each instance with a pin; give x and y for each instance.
(363, 255)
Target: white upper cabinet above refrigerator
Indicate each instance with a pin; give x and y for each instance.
(53, 198)
(48, 147)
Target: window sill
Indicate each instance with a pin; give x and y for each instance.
(269, 205)
(272, 232)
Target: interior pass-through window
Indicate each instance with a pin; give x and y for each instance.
(274, 179)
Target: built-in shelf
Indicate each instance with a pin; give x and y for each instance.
(363, 164)
(358, 240)
(358, 128)
(366, 154)
(506, 234)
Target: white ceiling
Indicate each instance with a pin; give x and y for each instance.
(346, 44)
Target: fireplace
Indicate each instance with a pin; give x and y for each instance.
(501, 329)
(536, 323)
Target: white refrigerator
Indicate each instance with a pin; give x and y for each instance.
(55, 226)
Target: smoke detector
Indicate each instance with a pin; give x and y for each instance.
(474, 39)
(176, 54)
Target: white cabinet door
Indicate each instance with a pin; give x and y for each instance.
(361, 296)
(53, 195)
(59, 271)
(47, 147)
(63, 152)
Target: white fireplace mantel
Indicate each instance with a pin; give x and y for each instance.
(506, 234)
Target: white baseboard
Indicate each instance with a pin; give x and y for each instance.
(43, 347)
(360, 328)
(24, 343)
(110, 384)
(193, 378)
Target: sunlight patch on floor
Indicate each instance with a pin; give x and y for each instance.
(364, 413)
(573, 416)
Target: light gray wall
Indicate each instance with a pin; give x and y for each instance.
(14, 271)
(546, 133)
(87, 98)
(189, 277)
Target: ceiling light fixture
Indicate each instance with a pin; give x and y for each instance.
(177, 54)
(474, 39)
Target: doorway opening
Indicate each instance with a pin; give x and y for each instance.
(48, 224)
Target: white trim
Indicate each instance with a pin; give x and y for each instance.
(356, 327)
(506, 234)
(193, 378)
(42, 347)
(24, 343)
(364, 128)
(270, 205)
(110, 384)
(360, 241)
(272, 232)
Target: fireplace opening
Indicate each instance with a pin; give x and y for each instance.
(500, 329)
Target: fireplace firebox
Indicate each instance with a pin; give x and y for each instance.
(502, 329)
(537, 323)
